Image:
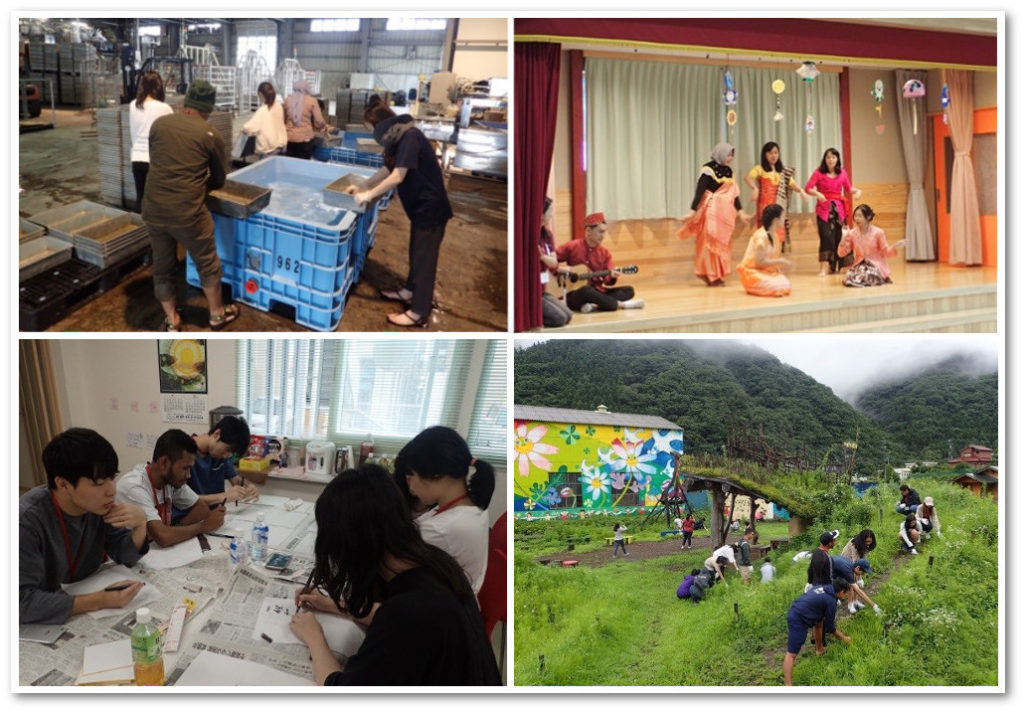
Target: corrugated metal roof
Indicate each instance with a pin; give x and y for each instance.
(591, 417)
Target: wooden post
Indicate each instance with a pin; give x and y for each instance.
(717, 503)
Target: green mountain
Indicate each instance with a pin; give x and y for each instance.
(709, 388)
(948, 403)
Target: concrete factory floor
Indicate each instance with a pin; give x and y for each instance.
(60, 166)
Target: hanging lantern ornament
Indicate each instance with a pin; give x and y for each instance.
(730, 117)
(913, 89)
(878, 92)
(809, 124)
(778, 86)
(945, 103)
(808, 71)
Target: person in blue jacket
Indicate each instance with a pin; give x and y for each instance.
(815, 609)
(853, 573)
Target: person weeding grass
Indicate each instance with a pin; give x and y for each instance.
(685, 587)
(909, 534)
(853, 573)
(619, 542)
(928, 519)
(859, 546)
(767, 570)
(714, 566)
(814, 610)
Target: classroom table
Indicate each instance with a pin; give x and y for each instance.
(229, 606)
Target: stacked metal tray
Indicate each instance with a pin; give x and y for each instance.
(108, 128)
(29, 230)
(334, 193)
(101, 235)
(40, 254)
(237, 199)
(111, 240)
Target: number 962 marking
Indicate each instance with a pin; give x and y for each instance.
(286, 263)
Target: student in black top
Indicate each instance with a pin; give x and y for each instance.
(410, 164)
(427, 629)
(819, 571)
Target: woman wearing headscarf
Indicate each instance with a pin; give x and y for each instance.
(410, 165)
(712, 217)
(301, 115)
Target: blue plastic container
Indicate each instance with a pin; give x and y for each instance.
(298, 251)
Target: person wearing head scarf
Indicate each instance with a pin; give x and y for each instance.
(301, 115)
(712, 217)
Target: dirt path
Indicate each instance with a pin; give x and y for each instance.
(638, 550)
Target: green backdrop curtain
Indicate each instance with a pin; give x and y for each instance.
(651, 125)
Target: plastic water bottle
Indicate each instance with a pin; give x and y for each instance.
(260, 537)
(239, 551)
(147, 650)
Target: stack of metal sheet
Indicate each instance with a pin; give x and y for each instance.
(65, 221)
(127, 179)
(29, 230)
(108, 128)
(111, 240)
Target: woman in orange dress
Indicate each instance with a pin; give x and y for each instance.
(712, 217)
(764, 181)
(760, 271)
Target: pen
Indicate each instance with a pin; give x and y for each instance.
(305, 589)
(266, 637)
(243, 485)
(117, 587)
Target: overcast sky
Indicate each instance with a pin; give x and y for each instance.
(846, 363)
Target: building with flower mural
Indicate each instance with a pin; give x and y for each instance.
(578, 462)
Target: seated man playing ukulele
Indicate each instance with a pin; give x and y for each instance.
(598, 294)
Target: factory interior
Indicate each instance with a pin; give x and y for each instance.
(85, 254)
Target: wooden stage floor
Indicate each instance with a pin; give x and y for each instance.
(924, 296)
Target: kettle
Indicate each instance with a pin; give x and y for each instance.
(320, 457)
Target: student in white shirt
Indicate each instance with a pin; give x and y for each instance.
(442, 474)
(267, 124)
(148, 106)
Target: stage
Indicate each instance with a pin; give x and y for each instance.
(924, 296)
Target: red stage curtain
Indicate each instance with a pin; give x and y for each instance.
(537, 66)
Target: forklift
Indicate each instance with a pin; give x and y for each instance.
(175, 71)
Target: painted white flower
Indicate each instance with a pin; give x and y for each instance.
(595, 483)
(529, 450)
(629, 458)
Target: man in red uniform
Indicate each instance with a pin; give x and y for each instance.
(598, 294)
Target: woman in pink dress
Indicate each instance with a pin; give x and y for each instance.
(870, 251)
(760, 271)
(712, 217)
(830, 184)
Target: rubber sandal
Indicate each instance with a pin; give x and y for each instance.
(394, 295)
(408, 321)
(171, 327)
(219, 321)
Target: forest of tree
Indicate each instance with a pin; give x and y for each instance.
(716, 388)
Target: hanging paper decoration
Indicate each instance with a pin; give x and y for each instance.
(730, 117)
(809, 124)
(808, 71)
(945, 103)
(878, 92)
(778, 86)
(913, 89)
(730, 94)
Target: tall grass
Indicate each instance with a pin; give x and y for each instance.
(621, 624)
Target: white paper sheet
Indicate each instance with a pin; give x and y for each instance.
(170, 557)
(105, 577)
(343, 635)
(107, 663)
(211, 669)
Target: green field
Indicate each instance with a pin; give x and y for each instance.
(621, 623)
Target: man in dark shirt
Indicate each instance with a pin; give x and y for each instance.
(819, 571)
(68, 526)
(411, 166)
(815, 609)
(186, 158)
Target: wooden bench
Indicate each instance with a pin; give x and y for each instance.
(776, 543)
(609, 539)
(758, 551)
(672, 532)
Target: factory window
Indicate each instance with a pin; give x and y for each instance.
(149, 31)
(306, 388)
(350, 24)
(204, 27)
(416, 23)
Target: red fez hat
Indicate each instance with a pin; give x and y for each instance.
(593, 219)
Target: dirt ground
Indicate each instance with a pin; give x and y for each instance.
(59, 166)
(639, 550)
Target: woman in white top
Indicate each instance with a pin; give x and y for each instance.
(441, 473)
(267, 124)
(148, 107)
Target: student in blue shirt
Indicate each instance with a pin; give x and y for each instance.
(815, 610)
(213, 475)
(853, 572)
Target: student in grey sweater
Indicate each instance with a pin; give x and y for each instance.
(66, 526)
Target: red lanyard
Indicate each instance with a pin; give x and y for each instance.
(451, 504)
(161, 509)
(72, 565)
